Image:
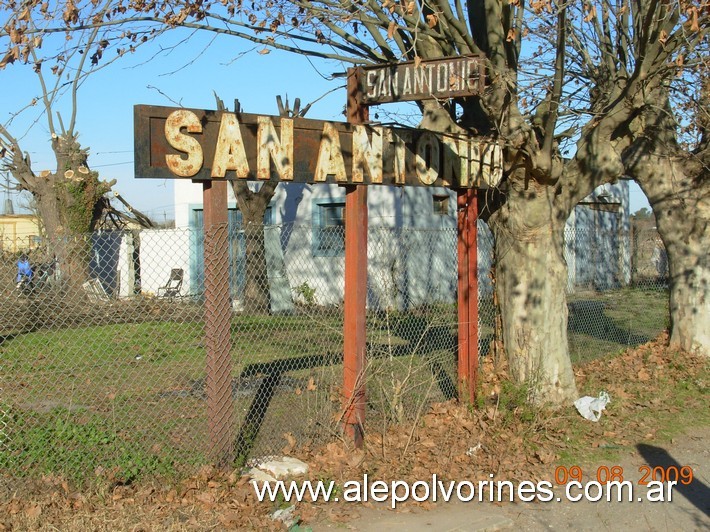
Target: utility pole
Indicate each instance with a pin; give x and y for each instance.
(8, 208)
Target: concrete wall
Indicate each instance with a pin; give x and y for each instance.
(412, 250)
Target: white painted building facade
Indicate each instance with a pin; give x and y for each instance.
(597, 230)
(308, 222)
(411, 246)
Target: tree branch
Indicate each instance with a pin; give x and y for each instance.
(558, 80)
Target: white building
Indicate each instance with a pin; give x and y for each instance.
(412, 253)
(307, 239)
(305, 243)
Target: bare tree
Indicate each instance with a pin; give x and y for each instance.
(647, 66)
(71, 199)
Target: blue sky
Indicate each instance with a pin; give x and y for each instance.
(187, 76)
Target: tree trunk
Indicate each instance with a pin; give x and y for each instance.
(253, 207)
(677, 184)
(256, 289)
(683, 221)
(531, 287)
(689, 267)
(68, 203)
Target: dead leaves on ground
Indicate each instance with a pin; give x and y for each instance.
(209, 499)
(509, 439)
(453, 441)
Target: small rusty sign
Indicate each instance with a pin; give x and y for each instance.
(205, 145)
(445, 78)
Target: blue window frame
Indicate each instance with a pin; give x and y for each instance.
(440, 204)
(237, 249)
(328, 228)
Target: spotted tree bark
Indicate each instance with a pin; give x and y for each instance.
(677, 184)
(531, 280)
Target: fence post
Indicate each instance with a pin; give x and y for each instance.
(467, 203)
(218, 312)
(355, 287)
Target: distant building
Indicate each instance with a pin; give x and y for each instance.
(19, 232)
(412, 253)
(598, 240)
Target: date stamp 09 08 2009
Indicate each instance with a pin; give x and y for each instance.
(604, 474)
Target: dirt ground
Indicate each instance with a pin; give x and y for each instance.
(688, 509)
(658, 417)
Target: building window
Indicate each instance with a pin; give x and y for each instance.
(328, 229)
(237, 249)
(440, 204)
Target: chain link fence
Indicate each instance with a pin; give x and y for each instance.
(103, 369)
(617, 291)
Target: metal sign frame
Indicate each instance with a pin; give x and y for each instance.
(162, 151)
(201, 144)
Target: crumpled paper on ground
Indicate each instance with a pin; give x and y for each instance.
(591, 407)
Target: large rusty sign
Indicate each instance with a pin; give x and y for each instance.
(420, 80)
(207, 145)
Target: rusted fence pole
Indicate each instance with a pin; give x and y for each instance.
(355, 288)
(218, 312)
(467, 202)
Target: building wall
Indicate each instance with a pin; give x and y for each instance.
(401, 264)
(160, 252)
(18, 232)
(404, 254)
(601, 239)
(411, 247)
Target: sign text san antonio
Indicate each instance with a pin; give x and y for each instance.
(200, 144)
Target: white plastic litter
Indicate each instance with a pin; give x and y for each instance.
(284, 466)
(260, 476)
(591, 407)
(473, 450)
(287, 516)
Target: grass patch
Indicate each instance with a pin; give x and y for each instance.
(83, 450)
(607, 322)
(656, 393)
(142, 384)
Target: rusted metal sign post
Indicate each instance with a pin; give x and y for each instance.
(467, 207)
(218, 312)
(442, 78)
(355, 300)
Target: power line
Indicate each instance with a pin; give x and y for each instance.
(8, 207)
(110, 164)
